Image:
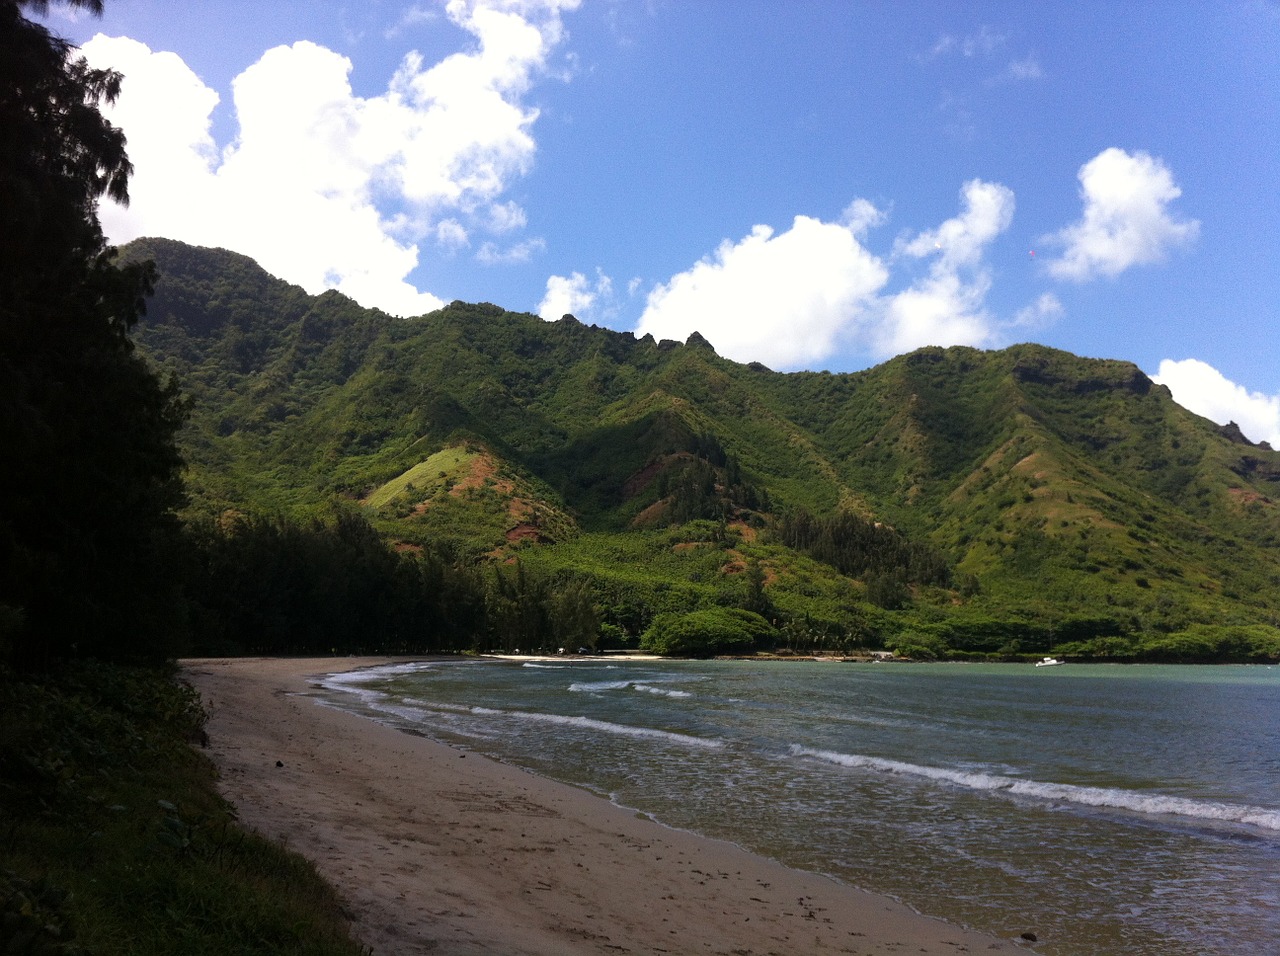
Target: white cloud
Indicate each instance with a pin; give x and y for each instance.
(507, 217)
(491, 254)
(1027, 68)
(793, 299)
(328, 189)
(1201, 388)
(982, 43)
(946, 307)
(451, 234)
(860, 216)
(1040, 314)
(575, 295)
(414, 16)
(781, 299)
(961, 241)
(1126, 219)
(942, 311)
(165, 110)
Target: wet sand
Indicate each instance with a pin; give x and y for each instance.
(436, 850)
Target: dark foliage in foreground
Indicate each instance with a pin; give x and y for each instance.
(116, 842)
(91, 476)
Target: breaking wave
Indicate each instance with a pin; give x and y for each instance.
(645, 687)
(604, 726)
(596, 686)
(1130, 800)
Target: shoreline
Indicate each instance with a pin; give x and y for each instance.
(439, 850)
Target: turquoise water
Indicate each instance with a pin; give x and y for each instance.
(1107, 809)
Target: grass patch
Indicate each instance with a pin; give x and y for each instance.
(427, 477)
(114, 840)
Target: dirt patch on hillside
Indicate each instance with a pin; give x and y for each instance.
(651, 515)
(1247, 496)
(482, 470)
(526, 532)
(689, 546)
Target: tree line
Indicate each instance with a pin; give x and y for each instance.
(92, 474)
(860, 548)
(269, 585)
(95, 561)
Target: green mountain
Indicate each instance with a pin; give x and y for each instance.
(949, 499)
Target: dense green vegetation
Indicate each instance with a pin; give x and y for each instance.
(954, 501)
(715, 630)
(475, 479)
(257, 470)
(115, 840)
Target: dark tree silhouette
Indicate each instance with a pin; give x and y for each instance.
(91, 471)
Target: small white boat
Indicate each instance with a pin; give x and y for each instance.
(1048, 662)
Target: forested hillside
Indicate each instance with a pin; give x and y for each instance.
(115, 840)
(575, 484)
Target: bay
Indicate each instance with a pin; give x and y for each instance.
(1107, 809)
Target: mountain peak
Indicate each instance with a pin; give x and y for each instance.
(1057, 481)
(696, 341)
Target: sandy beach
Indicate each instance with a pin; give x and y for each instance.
(436, 850)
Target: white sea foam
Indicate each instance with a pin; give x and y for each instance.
(354, 685)
(604, 726)
(595, 687)
(363, 695)
(661, 691)
(1130, 800)
(402, 712)
(643, 686)
(357, 682)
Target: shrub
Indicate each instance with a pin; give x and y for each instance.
(917, 645)
(116, 841)
(704, 633)
(1215, 642)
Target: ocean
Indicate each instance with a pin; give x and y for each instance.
(1107, 809)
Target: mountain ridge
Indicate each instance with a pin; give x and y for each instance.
(1056, 482)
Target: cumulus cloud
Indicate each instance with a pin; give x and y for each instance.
(860, 216)
(1126, 220)
(328, 189)
(575, 295)
(1201, 388)
(783, 299)
(943, 311)
(793, 299)
(960, 241)
(947, 306)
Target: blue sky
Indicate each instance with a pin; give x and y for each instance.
(818, 184)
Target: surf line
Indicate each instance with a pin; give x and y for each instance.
(1155, 804)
